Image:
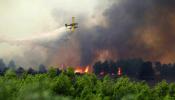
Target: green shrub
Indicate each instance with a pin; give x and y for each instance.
(52, 72)
(68, 86)
(62, 85)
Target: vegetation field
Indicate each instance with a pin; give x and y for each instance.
(70, 86)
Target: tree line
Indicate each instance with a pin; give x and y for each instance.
(136, 68)
(20, 70)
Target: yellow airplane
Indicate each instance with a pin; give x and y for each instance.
(73, 25)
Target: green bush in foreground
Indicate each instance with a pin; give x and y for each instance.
(68, 86)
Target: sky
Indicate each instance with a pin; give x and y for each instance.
(25, 18)
(32, 32)
(21, 19)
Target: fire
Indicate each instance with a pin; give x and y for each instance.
(82, 70)
(78, 70)
(119, 71)
(87, 69)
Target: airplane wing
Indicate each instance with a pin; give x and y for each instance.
(73, 26)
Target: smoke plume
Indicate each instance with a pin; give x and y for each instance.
(143, 29)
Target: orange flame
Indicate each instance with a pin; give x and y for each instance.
(82, 70)
(87, 69)
(78, 70)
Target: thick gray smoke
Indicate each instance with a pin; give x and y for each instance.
(123, 19)
(130, 32)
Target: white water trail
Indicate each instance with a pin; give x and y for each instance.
(39, 39)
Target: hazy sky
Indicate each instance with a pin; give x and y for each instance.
(25, 17)
(28, 18)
